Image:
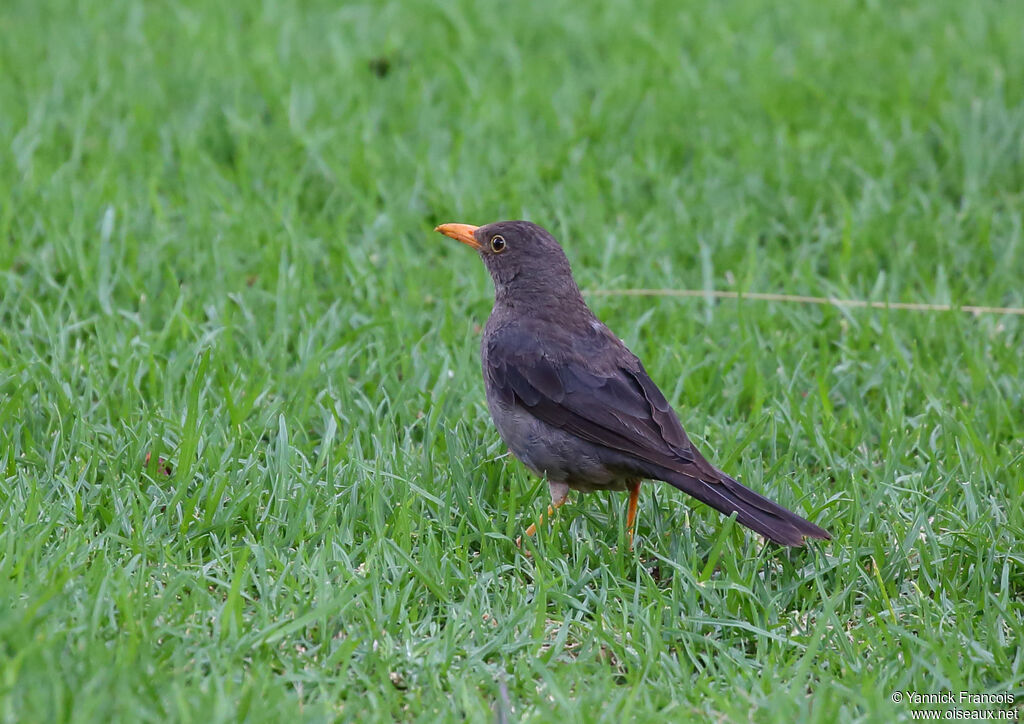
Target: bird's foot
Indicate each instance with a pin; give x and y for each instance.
(532, 530)
(634, 496)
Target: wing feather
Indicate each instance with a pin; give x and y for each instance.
(615, 405)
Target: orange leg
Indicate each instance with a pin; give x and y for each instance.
(555, 505)
(634, 496)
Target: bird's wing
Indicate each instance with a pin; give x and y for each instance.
(595, 388)
(592, 387)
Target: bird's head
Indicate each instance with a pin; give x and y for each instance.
(525, 261)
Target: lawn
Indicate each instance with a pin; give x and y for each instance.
(246, 468)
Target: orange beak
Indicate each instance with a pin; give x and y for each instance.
(460, 232)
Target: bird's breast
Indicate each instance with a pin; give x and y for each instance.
(552, 453)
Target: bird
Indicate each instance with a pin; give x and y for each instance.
(575, 405)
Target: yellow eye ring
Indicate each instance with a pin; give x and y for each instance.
(498, 243)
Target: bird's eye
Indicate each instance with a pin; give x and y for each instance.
(497, 244)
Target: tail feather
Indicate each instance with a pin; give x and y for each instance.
(755, 511)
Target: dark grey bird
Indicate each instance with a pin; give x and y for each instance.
(574, 404)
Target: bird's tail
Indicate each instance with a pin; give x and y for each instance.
(752, 510)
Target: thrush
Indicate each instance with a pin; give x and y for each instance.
(575, 405)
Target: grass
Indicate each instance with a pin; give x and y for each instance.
(215, 249)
